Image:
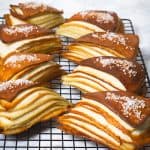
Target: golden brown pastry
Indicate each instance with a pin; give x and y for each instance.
(34, 13)
(35, 67)
(107, 74)
(27, 38)
(103, 44)
(24, 103)
(90, 21)
(15, 33)
(119, 120)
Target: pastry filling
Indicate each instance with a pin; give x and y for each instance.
(80, 52)
(95, 121)
(76, 29)
(45, 71)
(91, 80)
(47, 20)
(37, 43)
(29, 107)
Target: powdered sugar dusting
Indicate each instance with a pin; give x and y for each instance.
(104, 17)
(95, 35)
(15, 60)
(83, 13)
(13, 84)
(34, 5)
(130, 105)
(21, 29)
(115, 38)
(127, 67)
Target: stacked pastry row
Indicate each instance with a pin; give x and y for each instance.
(106, 62)
(79, 24)
(24, 103)
(22, 49)
(110, 112)
(120, 120)
(26, 67)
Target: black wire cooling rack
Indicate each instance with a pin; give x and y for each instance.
(45, 136)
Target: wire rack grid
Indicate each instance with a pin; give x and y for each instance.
(45, 136)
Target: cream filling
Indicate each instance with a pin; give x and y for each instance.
(94, 130)
(93, 51)
(76, 29)
(51, 23)
(29, 116)
(89, 134)
(19, 11)
(6, 49)
(29, 99)
(2, 108)
(54, 23)
(103, 122)
(75, 55)
(102, 75)
(40, 75)
(25, 111)
(49, 113)
(24, 99)
(34, 113)
(81, 86)
(44, 19)
(73, 32)
(15, 21)
(34, 73)
(84, 51)
(104, 108)
(41, 101)
(33, 89)
(94, 81)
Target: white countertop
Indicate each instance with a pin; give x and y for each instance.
(136, 10)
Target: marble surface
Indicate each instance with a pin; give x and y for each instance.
(136, 10)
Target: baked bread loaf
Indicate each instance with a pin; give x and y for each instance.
(90, 21)
(102, 44)
(34, 13)
(24, 103)
(107, 73)
(119, 120)
(27, 38)
(34, 67)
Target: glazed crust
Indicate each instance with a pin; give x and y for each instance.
(116, 102)
(102, 44)
(125, 44)
(32, 9)
(103, 19)
(97, 116)
(24, 103)
(10, 34)
(129, 72)
(18, 85)
(10, 22)
(14, 63)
